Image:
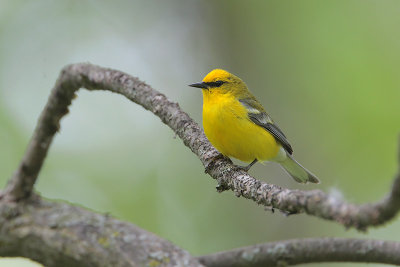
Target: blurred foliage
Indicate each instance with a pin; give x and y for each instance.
(327, 71)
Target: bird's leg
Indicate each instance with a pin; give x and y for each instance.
(247, 168)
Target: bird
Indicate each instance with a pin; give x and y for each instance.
(238, 126)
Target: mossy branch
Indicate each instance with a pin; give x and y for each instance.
(26, 217)
(300, 251)
(63, 235)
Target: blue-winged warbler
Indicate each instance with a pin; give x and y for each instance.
(238, 126)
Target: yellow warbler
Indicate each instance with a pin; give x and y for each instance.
(238, 126)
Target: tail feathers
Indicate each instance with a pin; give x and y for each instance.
(298, 172)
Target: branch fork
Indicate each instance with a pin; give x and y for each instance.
(27, 218)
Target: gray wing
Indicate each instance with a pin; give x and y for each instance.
(262, 119)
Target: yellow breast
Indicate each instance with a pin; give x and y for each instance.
(230, 131)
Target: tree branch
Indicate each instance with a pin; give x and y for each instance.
(62, 235)
(291, 252)
(92, 77)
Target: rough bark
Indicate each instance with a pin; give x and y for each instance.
(292, 252)
(58, 234)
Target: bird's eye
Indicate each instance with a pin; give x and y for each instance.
(215, 84)
(218, 83)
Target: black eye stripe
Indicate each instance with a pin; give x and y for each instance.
(215, 84)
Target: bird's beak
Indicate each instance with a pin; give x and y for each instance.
(199, 85)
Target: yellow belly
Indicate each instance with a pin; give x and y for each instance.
(229, 130)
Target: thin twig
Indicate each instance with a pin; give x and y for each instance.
(298, 251)
(228, 176)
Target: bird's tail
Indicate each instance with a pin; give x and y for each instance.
(298, 172)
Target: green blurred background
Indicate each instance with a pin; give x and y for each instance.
(327, 72)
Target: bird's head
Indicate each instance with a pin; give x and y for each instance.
(222, 82)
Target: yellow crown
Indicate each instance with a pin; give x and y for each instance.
(217, 75)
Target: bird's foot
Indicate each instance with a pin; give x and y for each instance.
(247, 168)
(243, 168)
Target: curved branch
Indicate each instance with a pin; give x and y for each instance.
(228, 175)
(300, 251)
(58, 234)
